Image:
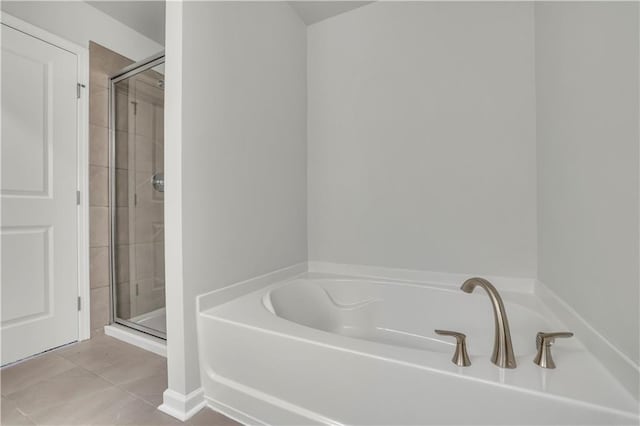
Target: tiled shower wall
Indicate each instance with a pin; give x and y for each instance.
(102, 63)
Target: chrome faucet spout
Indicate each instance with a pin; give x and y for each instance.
(503, 355)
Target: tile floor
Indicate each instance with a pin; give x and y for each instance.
(101, 381)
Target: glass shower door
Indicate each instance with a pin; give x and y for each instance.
(137, 172)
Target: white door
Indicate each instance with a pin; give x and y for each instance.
(38, 185)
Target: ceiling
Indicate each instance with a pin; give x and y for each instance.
(315, 11)
(146, 17)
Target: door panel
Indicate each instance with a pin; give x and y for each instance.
(39, 286)
(26, 160)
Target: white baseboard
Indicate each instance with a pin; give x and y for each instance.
(137, 338)
(181, 406)
(233, 413)
(249, 406)
(618, 364)
(525, 285)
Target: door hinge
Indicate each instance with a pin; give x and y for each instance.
(79, 303)
(137, 290)
(79, 88)
(78, 197)
(135, 107)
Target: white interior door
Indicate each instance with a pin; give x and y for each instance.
(39, 287)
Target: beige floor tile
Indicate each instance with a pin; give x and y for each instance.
(157, 418)
(153, 417)
(52, 390)
(22, 375)
(11, 416)
(66, 387)
(97, 332)
(208, 417)
(111, 406)
(149, 388)
(101, 352)
(134, 369)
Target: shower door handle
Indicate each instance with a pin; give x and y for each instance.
(157, 180)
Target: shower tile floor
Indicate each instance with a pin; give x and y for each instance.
(101, 381)
(155, 320)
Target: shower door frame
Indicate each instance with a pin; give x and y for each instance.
(123, 74)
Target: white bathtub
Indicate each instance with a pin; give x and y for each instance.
(317, 350)
(403, 316)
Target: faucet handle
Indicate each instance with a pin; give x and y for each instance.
(543, 344)
(460, 357)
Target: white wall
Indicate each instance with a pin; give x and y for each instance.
(147, 17)
(421, 133)
(587, 111)
(243, 157)
(78, 22)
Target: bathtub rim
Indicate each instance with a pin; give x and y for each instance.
(529, 305)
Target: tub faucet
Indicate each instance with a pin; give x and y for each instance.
(502, 355)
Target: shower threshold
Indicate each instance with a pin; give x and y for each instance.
(137, 338)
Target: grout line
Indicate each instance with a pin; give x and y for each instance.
(115, 385)
(31, 421)
(110, 344)
(51, 351)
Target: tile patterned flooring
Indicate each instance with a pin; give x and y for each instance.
(101, 381)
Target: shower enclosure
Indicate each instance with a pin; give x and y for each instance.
(137, 196)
